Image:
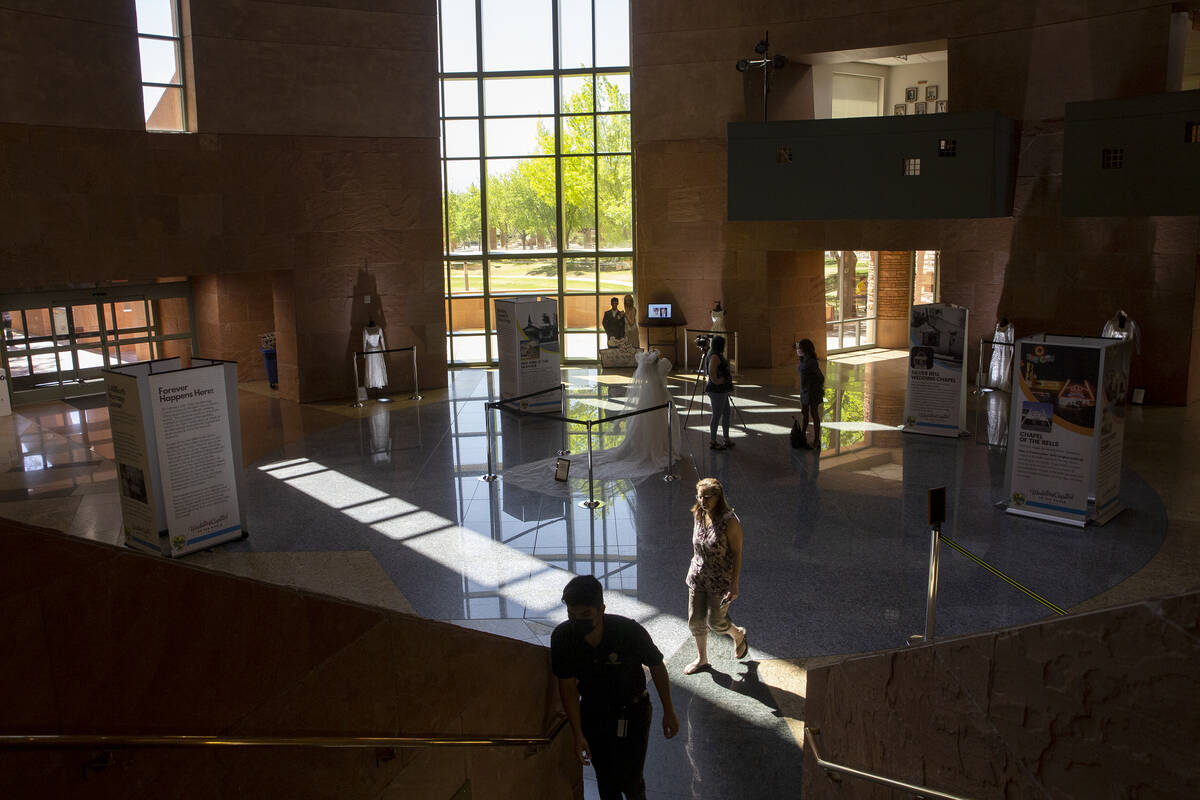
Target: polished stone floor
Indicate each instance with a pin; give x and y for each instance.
(385, 505)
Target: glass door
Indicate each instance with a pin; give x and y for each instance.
(851, 277)
(56, 344)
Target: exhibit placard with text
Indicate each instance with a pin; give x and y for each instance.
(5, 397)
(935, 402)
(195, 456)
(1052, 439)
(176, 439)
(141, 497)
(527, 337)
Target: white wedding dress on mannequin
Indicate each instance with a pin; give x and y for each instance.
(376, 367)
(643, 451)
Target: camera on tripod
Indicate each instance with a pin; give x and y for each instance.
(704, 341)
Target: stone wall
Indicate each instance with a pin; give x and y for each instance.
(895, 298)
(314, 150)
(1090, 705)
(1025, 59)
(102, 640)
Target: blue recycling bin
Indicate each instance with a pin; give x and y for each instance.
(272, 366)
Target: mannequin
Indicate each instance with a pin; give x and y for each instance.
(1000, 369)
(1122, 327)
(641, 452)
(376, 369)
(718, 317)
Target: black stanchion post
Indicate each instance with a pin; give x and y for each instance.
(670, 452)
(591, 502)
(562, 396)
(935, 547)
(354, 365)
(416, 395)
(937, 515)
(487, 426)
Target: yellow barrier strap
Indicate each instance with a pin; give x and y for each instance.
(1002, 576)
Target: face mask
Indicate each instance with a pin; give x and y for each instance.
(582, 627)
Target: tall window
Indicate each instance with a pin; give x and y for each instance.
(161, 46)
(537, 164)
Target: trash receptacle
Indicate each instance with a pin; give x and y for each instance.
(272, 367)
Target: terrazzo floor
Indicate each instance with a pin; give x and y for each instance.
(385, 505)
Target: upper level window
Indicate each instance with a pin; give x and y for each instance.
(161, 46)
(857, 95)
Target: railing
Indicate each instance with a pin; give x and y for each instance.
(733, 347)
(416, 395)
(503, 406)
(45, 741)
(936, 537)
(830, 766)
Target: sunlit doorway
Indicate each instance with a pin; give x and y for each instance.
(851, 279)
(55, 344)
(926, 287)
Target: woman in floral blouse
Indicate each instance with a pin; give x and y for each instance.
(712, 578)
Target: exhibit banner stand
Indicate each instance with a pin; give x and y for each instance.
(177, 442)
(1067, 428)
(5, 395)
(935, 402)
(527, 335)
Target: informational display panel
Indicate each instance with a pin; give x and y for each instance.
(527, 333)
(137, 473)
(177, 440)
(5, 395)
(195, 456)
(936, 400)
(1066, 428)
(1114, 383)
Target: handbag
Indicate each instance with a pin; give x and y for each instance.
(798, 438)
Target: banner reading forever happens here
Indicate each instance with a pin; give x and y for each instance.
(191, 424)
(936, 400)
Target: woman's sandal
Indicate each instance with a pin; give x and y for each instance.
(713, 444)
(692, 669)
(743, 648)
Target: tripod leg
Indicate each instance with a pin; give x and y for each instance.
(738, 411)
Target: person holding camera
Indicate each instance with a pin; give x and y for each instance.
(718, 388)
(812, 391)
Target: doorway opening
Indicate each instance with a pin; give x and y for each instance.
(851, 283)
(55, 344)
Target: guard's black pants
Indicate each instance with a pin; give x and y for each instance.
(619, 761)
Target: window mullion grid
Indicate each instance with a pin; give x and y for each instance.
(561, 247)
(484, 238)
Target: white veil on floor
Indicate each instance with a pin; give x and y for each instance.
(643, 451)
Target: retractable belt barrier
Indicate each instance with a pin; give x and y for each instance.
(503, 405)
(1013, 582)
(416, 395)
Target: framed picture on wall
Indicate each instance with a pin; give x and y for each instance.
(898, 110)
(931, 93)
(941, 106)
(919, 108)
(910, 95)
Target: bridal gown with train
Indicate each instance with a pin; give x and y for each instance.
(644, 449)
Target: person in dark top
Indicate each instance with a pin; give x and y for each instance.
(598, 660)
(812, 391)
(614, 321)
(718, 387)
